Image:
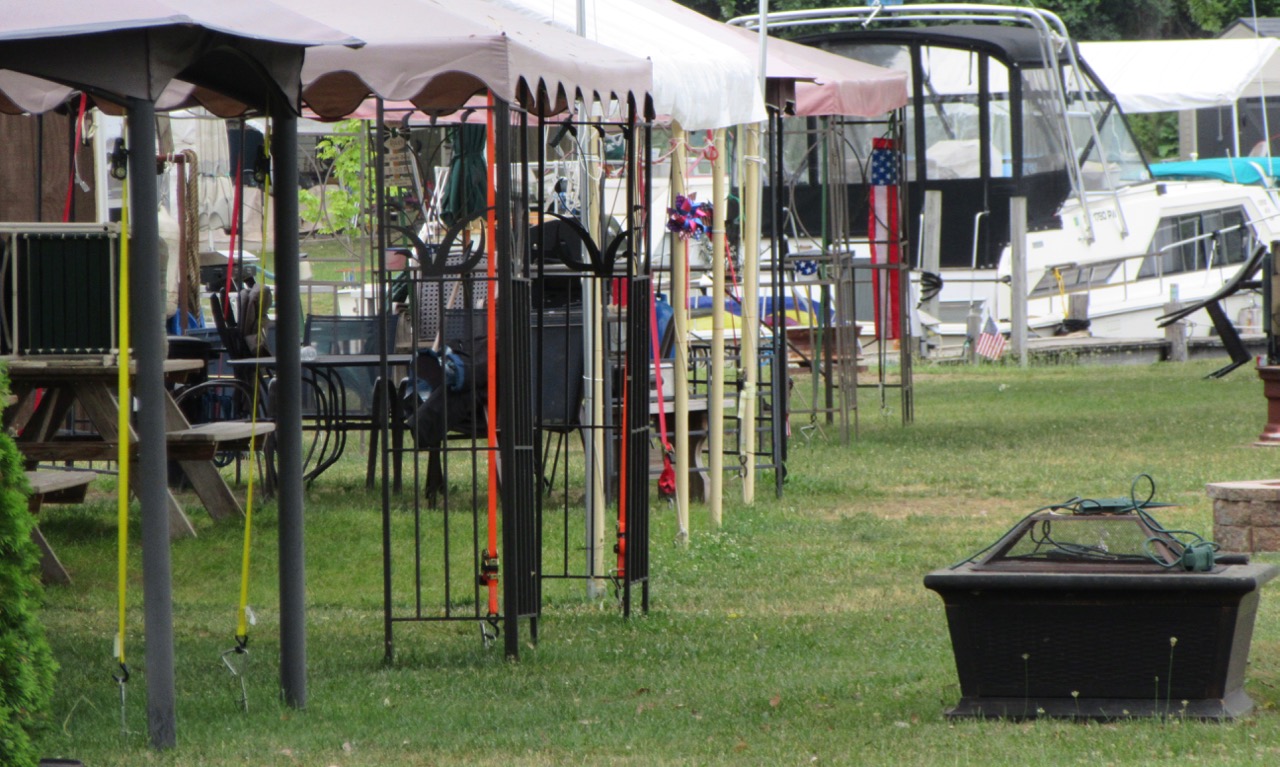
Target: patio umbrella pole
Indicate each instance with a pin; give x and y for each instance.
(293, 629)
(146, 279)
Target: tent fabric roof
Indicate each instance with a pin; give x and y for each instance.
(435, 56)
(825, 83)
(249, 50)
(250, 19)
(1174, 75)
(701, 82)
(840, 85)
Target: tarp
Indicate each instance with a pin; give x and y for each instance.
(1175, 75)
(437, 56)
(698, 81)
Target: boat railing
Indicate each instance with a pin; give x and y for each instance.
(977, 223)
(1126, 272)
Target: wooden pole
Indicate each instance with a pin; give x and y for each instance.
(595, 297)
(720, 193)
(680, 306)
(1018, 286)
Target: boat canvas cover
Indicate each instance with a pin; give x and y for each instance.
(1176, 75)
(1237, 170)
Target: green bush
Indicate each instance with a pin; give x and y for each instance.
(26, 663)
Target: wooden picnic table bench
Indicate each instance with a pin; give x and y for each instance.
(54, 486)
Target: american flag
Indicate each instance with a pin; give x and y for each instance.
(990, 341)
(883, 231)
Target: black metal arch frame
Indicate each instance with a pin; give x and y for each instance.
(436, 561)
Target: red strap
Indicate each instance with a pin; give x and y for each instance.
(75, 152)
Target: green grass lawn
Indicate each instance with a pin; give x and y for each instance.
(799, 633)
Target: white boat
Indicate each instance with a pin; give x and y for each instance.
(1003, 107)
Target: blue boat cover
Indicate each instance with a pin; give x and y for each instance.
(1240, 170)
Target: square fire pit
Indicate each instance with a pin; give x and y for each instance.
(1099, 616)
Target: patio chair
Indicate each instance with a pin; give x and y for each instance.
(346, 334)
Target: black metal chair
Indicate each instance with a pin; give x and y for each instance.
(344, 334)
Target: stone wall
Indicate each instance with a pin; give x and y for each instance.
(1246, 515)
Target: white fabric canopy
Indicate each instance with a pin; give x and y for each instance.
(699, 81)
(1174, 75)
(825, 83)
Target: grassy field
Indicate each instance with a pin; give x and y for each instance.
(799, 633)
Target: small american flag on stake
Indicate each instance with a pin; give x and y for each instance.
(990, 341)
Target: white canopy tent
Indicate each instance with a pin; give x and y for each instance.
(1176, 75)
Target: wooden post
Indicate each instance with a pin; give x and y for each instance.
(1078, 307)
(720, 193)
(1018, 283)
(973, 327)
(680, 316)
(1176, 334)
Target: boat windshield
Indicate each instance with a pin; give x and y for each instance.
(951, 89)
(1118, 155)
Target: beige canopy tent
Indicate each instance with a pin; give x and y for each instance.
(435, 56)
(235, 53)
(127, 52)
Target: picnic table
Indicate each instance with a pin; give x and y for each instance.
(90, 382)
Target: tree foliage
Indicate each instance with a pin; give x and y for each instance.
(26, 662)
(344, 207)
(1214, 15)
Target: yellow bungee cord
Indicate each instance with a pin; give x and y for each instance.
(244, 613)
(123, 427)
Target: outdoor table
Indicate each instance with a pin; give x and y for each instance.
(90, 382)
(329, 413)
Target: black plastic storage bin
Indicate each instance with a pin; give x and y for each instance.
(558, 367)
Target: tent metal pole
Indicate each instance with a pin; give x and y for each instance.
(750, 251)
(146, 281)
(293, 629)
